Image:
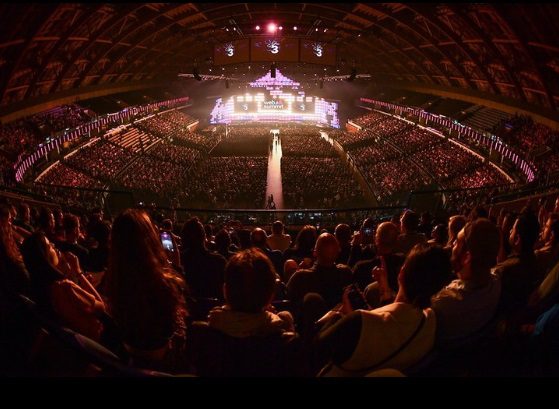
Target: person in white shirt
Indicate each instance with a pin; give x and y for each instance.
(468, 303)
(397, 335)
(278, 240)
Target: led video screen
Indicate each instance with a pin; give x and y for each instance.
(232, 52)
(317, 52)
(275, 106)
(274, 49)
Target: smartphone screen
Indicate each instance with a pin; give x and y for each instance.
(368, 231)
(167, 241)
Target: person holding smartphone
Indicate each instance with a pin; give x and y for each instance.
(378, 277)
(397, 335)
(362, 243)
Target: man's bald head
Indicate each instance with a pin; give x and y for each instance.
(327, 249)
(386, 237)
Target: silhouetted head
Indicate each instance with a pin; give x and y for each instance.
(327, 249)
(250, 281)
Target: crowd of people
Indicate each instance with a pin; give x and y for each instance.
(310, 182)
(370, 120)
(228, 182)
(101, 160)
(390, 179)
(247, 133)
(244, 141)
(181, 155)
(415, 139)
(396, 158)
(151, 174)
(305, 145)
(225, 300)
(63, 175)
(522, 132)
(531, 138)
(22, 136)
(381, 126)
(173, 125)
(59, 118)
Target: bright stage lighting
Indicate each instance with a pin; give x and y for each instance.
(281, 28)
(272, 28)
(294, 28)
(257, 28)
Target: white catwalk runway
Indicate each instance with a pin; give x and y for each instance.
(274, 186)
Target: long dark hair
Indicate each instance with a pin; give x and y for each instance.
(306, 239)
(143, 292)
(13, 276)
(425, 272)
(41, 271)
(8, 247)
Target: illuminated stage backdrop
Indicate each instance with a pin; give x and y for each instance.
(279, 101)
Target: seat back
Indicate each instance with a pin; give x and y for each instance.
(216, 354)
(421, 368)
(200, 307)
(93, 352)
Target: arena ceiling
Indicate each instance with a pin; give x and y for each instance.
(510, 50)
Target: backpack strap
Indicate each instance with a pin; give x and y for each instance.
(383, 361)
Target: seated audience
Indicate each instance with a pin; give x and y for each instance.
(397, 335)
(386, 264)
(203, 269)
(259, 240)
(469, 302)
(24, 218)
(409, 236)
(223, 244)
(14, 277)
(278, 240)
(455, 224)
(245, 337)
(313, 291)
(72, 234)
(58, 285)
(145, 294)
(99, 252)
(548, 255)
(343, 235)
(302, 248)
(518, 273)
(362, 243)
(439, 235)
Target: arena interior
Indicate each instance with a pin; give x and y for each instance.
(279, 190)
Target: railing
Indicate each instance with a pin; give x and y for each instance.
(492, 142)
(96, 125)
(438, 202)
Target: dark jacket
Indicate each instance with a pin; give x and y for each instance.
(204, 272)
(328, 282)
(519, 278)
(215, 354)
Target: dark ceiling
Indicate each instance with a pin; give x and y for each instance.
(505, 49)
